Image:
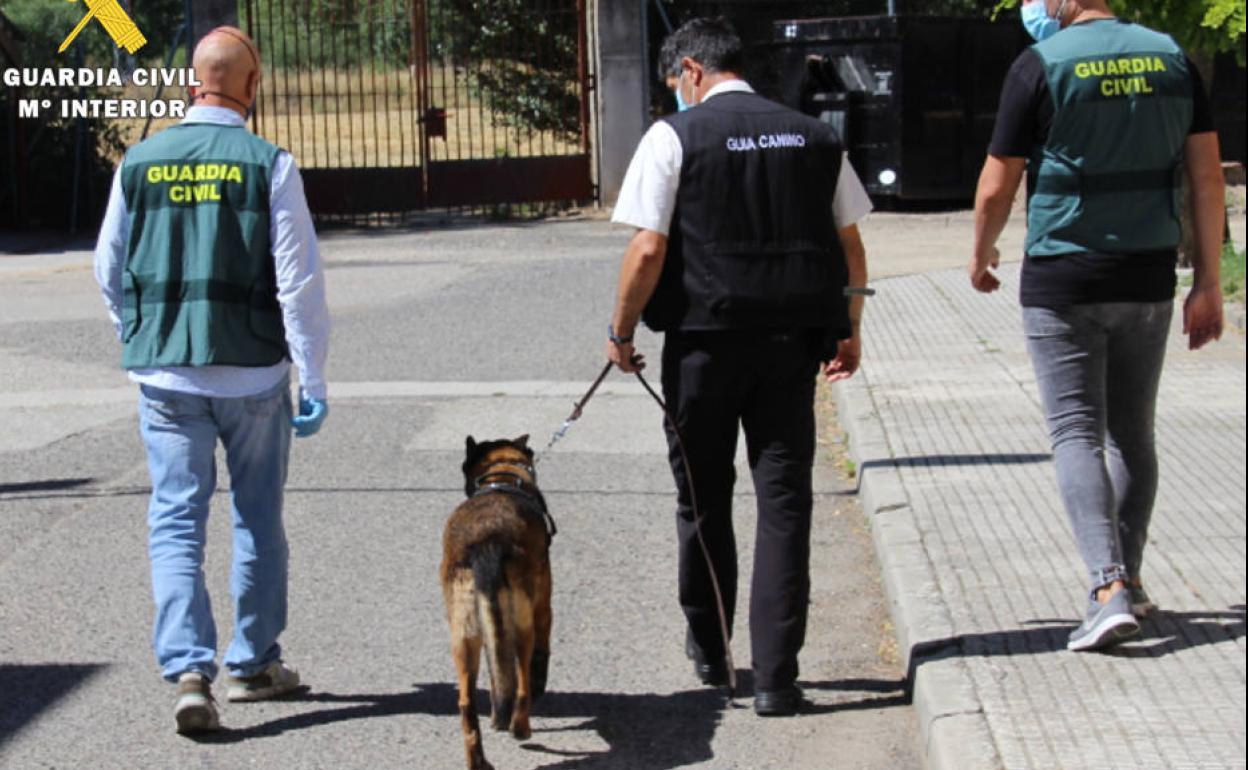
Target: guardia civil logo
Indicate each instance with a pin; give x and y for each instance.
(117, 23)
(105, 100)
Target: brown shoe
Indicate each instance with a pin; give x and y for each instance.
(195, 710)
(274, 681)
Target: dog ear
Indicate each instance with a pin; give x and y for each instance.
(471, 444)
(522, 442)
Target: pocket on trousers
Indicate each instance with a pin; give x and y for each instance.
(1043, 323)
(162, 406)
(264, 405)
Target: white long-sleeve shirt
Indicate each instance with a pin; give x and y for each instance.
(300, 286)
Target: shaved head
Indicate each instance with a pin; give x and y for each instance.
(227, 63)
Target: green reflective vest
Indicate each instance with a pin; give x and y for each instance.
(199, 283)
(1106, 179)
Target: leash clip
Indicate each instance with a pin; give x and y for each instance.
(577, 408)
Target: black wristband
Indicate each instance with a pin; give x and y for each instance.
(611, 335)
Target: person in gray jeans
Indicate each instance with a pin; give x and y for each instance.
(1098, 279)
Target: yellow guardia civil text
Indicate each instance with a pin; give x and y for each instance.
(194, 183)
(1121, 75)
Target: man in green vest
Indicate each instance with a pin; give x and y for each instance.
(208, 263)
(1104, 115)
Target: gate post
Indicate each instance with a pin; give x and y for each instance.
(207, 15)
(623, 90)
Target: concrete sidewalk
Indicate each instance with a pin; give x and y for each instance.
(982, 572)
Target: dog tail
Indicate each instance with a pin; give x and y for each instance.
(488, 560)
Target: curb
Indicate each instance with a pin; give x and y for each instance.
(952, 726)
(1234, 314)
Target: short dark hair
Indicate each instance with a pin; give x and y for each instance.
(711, 42)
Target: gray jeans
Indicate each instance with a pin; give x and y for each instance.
(1098, 367)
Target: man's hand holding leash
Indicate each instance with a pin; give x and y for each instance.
(639, 275)
(620, 351)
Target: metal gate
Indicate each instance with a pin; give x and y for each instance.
(397, 105)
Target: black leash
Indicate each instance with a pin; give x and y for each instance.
(697, 528)
(577, 407)
(693, 501)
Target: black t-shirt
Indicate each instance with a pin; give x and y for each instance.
(1023, 120)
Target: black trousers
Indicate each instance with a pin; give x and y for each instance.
(713, 382)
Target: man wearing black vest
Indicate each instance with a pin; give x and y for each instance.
(746, 239)
(1103, 114)
(208, 262)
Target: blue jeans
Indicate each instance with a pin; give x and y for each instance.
(180, 432)
(1098, 367)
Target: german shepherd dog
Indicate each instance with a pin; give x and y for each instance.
(496, 582)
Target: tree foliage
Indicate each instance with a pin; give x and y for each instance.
(329, 34)
(1203, 28)
(520, 56)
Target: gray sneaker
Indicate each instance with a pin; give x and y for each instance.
(195, 711)
(1142, 605)
(1105, 625)
(277, 679)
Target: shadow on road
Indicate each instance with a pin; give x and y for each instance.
(436, 699)
(1162, 633)
(641, 730)
(48, 485)
(28, 690)
(887, 693)
(925, 461)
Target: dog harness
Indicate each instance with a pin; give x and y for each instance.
(512, 483)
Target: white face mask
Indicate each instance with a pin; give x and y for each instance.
(1037, 21)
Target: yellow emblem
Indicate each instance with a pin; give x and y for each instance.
(120, 27)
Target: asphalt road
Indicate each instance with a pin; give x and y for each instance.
(490, 331)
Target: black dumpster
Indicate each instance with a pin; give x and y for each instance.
(914, 97)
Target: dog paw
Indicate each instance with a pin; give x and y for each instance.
(521, 732)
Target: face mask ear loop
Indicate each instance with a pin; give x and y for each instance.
(681, 104)
(249, 108)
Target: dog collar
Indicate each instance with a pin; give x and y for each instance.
(510, 482)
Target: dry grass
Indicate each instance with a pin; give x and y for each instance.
(361, 117)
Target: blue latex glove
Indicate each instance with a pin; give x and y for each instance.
(312, 412)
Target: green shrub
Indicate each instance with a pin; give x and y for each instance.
(1232, 273)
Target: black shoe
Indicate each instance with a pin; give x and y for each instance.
(784, 702)
(713, 673)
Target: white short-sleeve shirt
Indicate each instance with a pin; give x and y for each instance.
(648, 194)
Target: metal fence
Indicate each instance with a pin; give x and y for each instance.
(393, 106)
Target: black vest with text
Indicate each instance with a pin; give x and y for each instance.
(753, 244)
